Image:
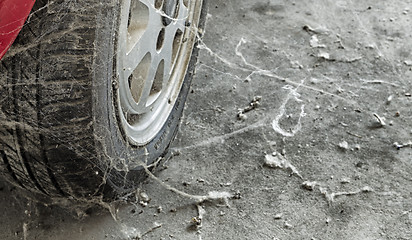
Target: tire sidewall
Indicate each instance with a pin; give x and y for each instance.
(116, 157)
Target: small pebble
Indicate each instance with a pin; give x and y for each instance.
(288, 225)
(242, 116)
(278, 216)
(144, 197)
(309, 185)
(345, 180)
(389, 100)
(344, 145)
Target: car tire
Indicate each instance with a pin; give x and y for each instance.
(70, 122)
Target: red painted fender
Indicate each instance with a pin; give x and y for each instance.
(13, 15)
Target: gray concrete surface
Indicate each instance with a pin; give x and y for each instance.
(334, 79)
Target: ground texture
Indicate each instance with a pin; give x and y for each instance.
(300, 109)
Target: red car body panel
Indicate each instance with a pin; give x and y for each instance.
(13, 15)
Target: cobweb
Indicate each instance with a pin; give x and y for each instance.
(113, 170)
(298, 91)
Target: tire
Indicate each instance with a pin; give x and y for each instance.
(68, 125)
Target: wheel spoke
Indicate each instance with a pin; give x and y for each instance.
(145, 43)
(137, 42)
(147, 86)
(167, 51)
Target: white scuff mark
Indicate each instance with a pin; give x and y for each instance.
(276, 160)
(275, 124)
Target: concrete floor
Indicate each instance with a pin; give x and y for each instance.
(312, 161)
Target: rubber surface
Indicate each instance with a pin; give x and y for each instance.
(58, 128)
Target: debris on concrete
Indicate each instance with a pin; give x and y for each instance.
(317, 30)
(399, 145)
(212, 196)
(343, 145)
(314, 42)
(353, 134)
(278, 216)
(389, 100)
(408, 62)
(227, 184)
(144, 199)
(330, 197)
(288, 225)
(325, 56)
(380, 122)
(200, 180)
(241, 116)
(237, 195)
(255, 103)
(345, 180)
(197, 222)
(276, 160)
(310, 185)
(344, 124)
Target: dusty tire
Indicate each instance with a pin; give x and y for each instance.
(60, 127)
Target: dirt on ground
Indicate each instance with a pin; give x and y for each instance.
(300, 111)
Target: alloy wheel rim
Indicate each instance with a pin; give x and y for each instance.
(155, 43)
